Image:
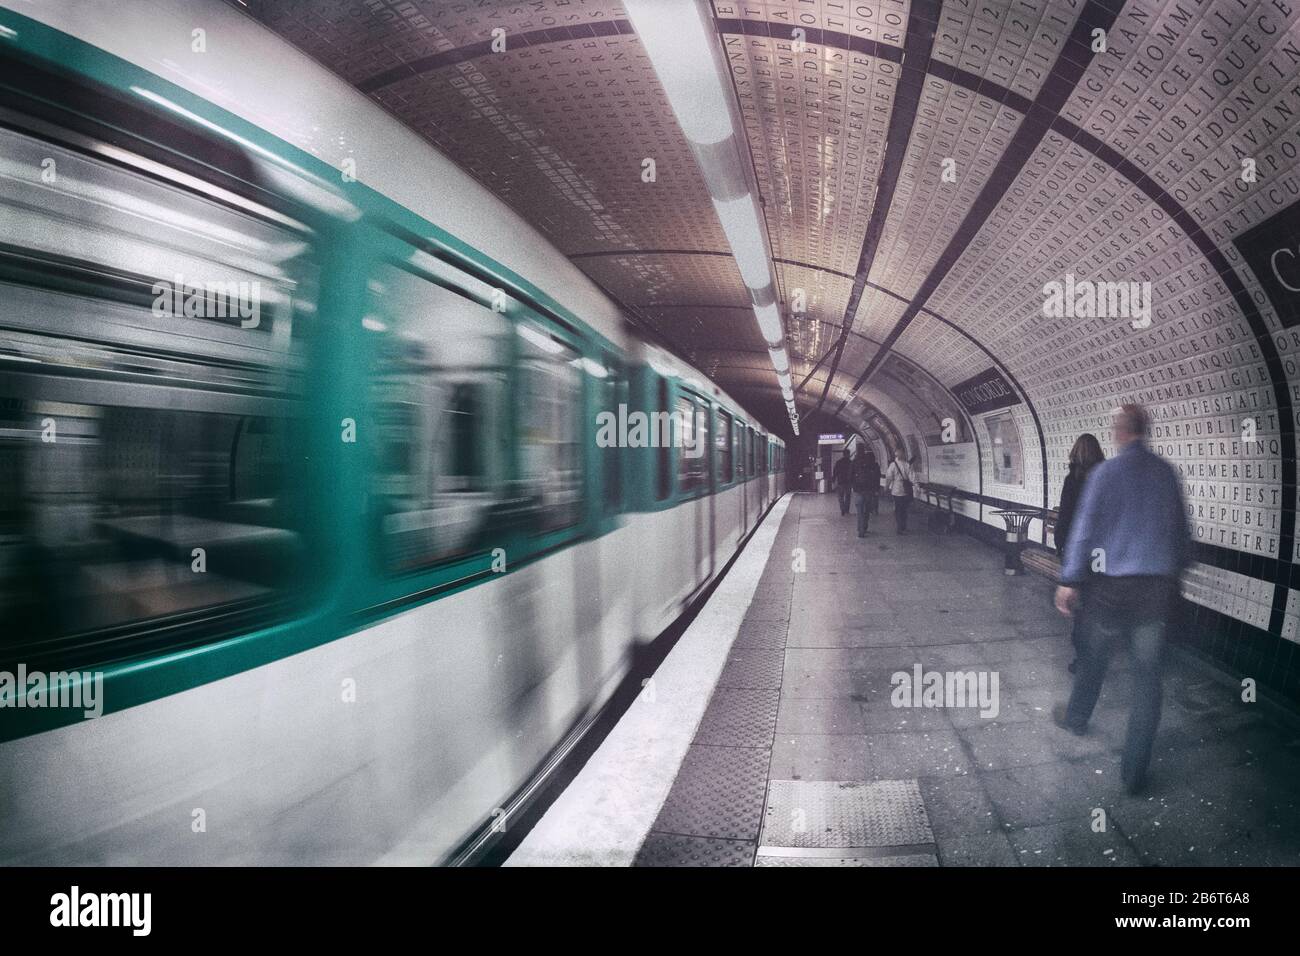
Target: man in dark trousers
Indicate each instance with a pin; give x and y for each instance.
(1131, 531)
(866, 486)
(842, 479)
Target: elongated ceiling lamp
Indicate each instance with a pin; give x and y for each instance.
(685, 55)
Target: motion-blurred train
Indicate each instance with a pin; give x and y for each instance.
(301, 456)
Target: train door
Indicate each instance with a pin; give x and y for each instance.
(691, 447)
(742, 478)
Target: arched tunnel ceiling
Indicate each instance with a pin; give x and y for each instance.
(1117, 165)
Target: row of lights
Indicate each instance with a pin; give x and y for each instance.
(686, 60)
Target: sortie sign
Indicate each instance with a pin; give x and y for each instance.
(986, 392)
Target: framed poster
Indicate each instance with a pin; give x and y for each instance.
(1004, 439)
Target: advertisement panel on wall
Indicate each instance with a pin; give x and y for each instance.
(1004, 440)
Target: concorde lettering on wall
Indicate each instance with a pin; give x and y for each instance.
(1272, 250)
(986, 392)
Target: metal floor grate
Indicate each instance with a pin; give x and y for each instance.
(844, 814)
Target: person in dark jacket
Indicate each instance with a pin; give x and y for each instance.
(1084, 456)
(866, 486)
(842, 479)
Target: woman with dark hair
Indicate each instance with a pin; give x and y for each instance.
(1084, 456)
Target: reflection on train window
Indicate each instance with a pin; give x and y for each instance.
(550, 454)
(692, 446)
(134, 514)
(109, 233)
(149, 423)
(437, 390)
(723, 438)
(662, 472)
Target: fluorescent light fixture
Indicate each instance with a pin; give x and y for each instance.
(542, 341)
(769, 323)
(7, 33)
(663, 368)
(739, 218)
(681, 51)
(679, 40)
(300, 184)
(198, 120)
(594, 368)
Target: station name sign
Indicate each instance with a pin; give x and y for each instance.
(985, 392)
(1272, 250)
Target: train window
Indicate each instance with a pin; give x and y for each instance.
(662, 467)
(437, 386)
(109, 233)
(551, 421)
(466, 461)
(753, 452)
(724, 441)
(692, 445)
(150, 413)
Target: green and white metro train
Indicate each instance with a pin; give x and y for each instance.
(304, 465)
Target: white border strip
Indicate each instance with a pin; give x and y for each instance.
(603, 816)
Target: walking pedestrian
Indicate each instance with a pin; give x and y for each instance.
(866, 486)
(1130, 531)
(1084, 456)
(842, 478)
(899, 479)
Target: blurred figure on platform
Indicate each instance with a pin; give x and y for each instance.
(1084, 456)
(899, 479)
(1130, 531)
(842, 479)
(866, 486)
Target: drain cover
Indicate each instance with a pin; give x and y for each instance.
(912, 859)
(844, 814)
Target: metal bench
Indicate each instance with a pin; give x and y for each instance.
(939, 497)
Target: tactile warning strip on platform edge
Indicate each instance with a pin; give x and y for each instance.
(670, 849)
(854, 819)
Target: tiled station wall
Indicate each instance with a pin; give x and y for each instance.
(1140, 179)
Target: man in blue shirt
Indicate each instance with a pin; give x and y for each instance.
(1128, 545)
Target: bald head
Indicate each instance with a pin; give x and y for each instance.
(1129, 423)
